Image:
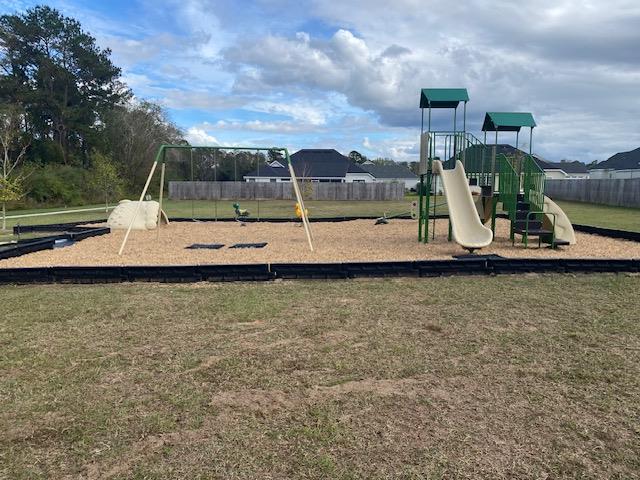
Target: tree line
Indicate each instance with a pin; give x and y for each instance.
(66, 116)
(358, 157)
(71, 130)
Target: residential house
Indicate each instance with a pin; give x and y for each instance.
(392, 173)
(563, 170)
(329, 165)
(620, 165)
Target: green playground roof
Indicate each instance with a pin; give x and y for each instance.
(443, 97)
(507, 121)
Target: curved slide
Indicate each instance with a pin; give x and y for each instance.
(564, 229)
(467, 229)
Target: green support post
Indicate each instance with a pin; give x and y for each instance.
(435, 201)
(425, 237)
(420, 202)
(494, 207)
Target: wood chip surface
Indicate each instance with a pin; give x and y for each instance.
(358, 240)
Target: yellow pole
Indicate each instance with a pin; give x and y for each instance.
(135, 214)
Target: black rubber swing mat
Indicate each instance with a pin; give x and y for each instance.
(249, 245)
(472, 256)
(208, 246)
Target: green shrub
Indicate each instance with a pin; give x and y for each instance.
(58, 185)
(45, 152)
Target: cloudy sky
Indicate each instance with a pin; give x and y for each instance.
(347, 74)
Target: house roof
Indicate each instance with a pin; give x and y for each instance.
(442, 97)
(316, 163)
(567, 167)
(269, 171)
(504, 149)
(507, 121)
(388, 171)
(510, 150)
(319, 163)
(621, 161)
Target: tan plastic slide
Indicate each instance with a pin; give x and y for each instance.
(468, 231)
(563, 229)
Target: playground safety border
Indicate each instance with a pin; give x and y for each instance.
(22, 247)
(609, 232)
(309, 271)
(303, 271)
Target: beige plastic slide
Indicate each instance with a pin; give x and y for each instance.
(147, 218)
(467, 229)
(564, 229)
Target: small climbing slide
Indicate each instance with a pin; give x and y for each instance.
(466, 227)
(555, 216)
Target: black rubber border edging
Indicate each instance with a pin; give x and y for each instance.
(30, 245)
(55, 227)
(608, 232)
(265, 272)
(162, 274)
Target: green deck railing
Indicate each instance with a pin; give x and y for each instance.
(533, 183)
(475, 156)
(509, 187)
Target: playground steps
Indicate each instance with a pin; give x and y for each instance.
(532, 228)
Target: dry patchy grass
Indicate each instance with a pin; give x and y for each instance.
(527, 377)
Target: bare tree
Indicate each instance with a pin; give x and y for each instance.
(14, 144)
(306, 181)
(134, 133)
(104, 177)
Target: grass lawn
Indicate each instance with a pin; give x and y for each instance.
(620, 218)
(502, 377)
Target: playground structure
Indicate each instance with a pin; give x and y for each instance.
(461, 162)
(491, 198)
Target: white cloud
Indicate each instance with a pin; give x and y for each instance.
(401, 148)
(299, 111)
(338, 77)
(197, 136)
(197, 99)
(547, 57)
(259, 126)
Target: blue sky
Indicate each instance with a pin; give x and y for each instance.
(346, 75)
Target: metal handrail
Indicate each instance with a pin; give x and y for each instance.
(526, 228)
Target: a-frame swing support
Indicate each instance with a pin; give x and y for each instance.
(161, 158)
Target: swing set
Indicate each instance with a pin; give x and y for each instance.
(166, 150)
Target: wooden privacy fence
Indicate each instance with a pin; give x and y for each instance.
(284, 191)
(606, 191)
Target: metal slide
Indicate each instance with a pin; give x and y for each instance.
(466, 227)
